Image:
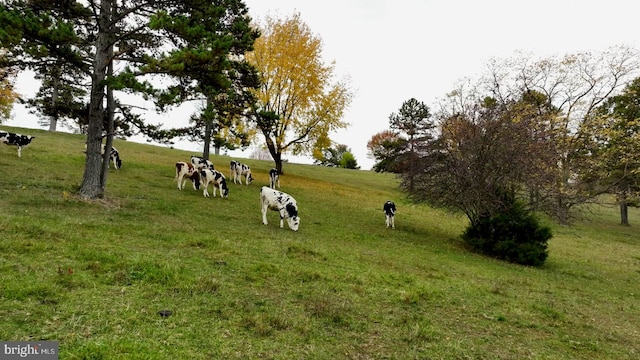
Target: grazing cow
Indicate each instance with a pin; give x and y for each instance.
(389, 209)
(283, 203)
(17, 140)
(217, 178)
(114, 156)
(186, 169)
(274, 178)
(238, 170)
(201, 163)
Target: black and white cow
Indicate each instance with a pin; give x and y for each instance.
(201, 163)
(17, 140)
(184, 169)
(283, 203)
(274, 178)
(389, 209)
(238, 170)
(114, 156)
(209, 176)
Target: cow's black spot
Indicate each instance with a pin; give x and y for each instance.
(292, 211)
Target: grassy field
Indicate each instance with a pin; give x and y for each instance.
(93, 275)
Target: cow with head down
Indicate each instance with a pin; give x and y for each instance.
(238, 170)
(114, 156)
(215, 177)
(283, 203)
(186, 170)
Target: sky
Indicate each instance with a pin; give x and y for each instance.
(393, 50)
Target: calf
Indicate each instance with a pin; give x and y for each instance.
(17, 140)
(201, 163)
(389, 209)
(213, 176)
(274, 178)
(271, 199)
(238, 170)
(114, 156)
(186, 169)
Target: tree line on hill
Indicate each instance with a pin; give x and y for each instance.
(249, 79)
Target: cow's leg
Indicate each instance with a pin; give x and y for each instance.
(19, 151)
(281, 218)
(179, 179)
(264, 213)
(386, 220)
(205, 192)
(393, 224)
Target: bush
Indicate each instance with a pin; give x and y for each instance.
(512, 234)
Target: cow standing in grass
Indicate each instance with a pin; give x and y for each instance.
(201, 163)
(16, 140)
(238, 170)
(114, 156)
(274, 178)
(283, 203)
(186, 170)
(218, 180)
(389, 209)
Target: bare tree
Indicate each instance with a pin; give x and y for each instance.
(572, 86)
(490, 151)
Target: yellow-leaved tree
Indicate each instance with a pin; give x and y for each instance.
(7, 94)
(299, 102)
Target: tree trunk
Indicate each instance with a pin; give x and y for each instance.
(624, 208)
(208, 129)
(624, 214)
(275, 154)
(53, 119)
(91, 187)
(111, 106)
(562, 214)
(207, 140)
(278, 159)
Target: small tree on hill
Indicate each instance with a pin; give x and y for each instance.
(413, 120)
(386, 147)
(338, 156)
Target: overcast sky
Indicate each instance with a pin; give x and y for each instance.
(394, 50)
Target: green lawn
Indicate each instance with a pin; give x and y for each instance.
(93, 275)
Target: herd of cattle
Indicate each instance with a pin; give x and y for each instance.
(202, 173)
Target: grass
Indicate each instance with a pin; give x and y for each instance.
(93, 275)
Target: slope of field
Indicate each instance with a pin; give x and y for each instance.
(94, 275)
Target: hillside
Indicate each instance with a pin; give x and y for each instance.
(94, 275)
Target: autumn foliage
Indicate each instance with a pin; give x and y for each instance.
(299, 102)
